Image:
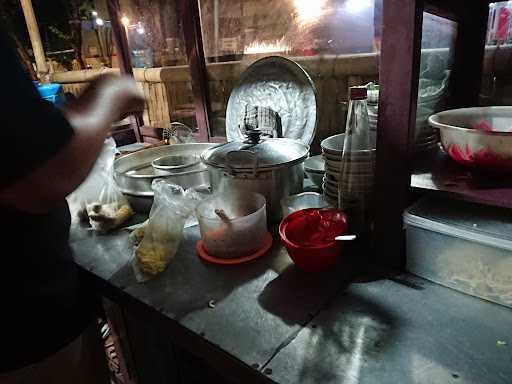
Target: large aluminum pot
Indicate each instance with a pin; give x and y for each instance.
(477, 137)
(272, 167)
(134, 173)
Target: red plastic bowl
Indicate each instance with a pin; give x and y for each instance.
(308, 236)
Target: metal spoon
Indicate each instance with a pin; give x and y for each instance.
(222, 215)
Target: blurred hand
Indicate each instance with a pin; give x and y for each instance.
(107, 99)
(110, 98)
(123, 94)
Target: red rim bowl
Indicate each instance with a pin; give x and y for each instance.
(307, 257)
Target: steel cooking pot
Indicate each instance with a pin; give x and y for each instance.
(273, 167)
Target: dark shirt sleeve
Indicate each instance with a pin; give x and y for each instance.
(33, 130)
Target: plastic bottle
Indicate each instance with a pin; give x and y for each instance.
(356, 182)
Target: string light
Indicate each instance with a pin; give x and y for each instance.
(125, 21)
(140, 28)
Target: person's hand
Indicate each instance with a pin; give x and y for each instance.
(110, 98)
(106, 100)
(122, 94)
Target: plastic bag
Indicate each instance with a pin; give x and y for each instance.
(162, 234)
(99, 200)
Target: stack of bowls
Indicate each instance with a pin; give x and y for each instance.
(361, 179)
(373, 114)
(373, 106)
(314, 167)
(425, 137)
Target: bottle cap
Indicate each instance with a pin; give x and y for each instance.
(358, 93)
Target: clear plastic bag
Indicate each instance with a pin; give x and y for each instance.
(162, 234)
(98, 199)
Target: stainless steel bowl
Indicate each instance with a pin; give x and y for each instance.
(315, 177)
(303, 200)
(176, 163)
(467, 143)
(141, 204)
(315, 164)
(134, 173)
(332, 147)
(314, 167)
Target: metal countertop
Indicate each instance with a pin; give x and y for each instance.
(291, 327)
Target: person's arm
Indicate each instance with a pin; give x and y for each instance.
(91, 115)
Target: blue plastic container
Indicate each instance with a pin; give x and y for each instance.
(53, 92)
(51, 89)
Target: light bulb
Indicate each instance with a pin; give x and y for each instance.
(357, 6)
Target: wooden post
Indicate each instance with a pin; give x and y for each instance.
(190, 17)
(35, 38)
(399, 78)
(469, 54)
(123, 54)
(119, 37)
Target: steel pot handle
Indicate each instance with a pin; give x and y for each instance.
(236, 157)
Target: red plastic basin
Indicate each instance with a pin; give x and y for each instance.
(308, 236)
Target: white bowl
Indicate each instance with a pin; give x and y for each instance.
(477, 148)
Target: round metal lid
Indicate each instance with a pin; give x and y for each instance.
(267, 154)
(282, 85)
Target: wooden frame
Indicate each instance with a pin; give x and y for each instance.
(399, 76)
(469, 53)
(123, 53)
(189, 14)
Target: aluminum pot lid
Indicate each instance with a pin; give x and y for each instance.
(266, 154)
(279, 84)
